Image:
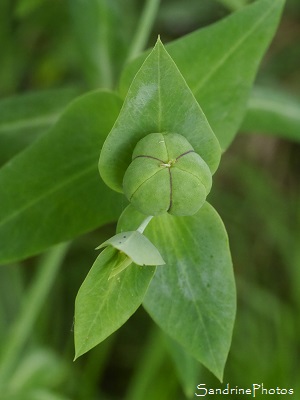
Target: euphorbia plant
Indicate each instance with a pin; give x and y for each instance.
(161, 136)
(162, 152)
(171, 250)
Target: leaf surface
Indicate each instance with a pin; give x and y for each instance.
(158, 101)
(192, 297)
(52, 191)
(103, 304)
(23, 118)
(220, 62)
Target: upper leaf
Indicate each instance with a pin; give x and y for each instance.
(51, 192)
(220, 61)
(158, 100)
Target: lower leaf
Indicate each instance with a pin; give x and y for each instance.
(104, 302)
(192, 298)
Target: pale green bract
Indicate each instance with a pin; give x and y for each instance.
(137, 247)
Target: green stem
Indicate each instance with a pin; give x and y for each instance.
(31, 307)
(144, 28)
(144, 224)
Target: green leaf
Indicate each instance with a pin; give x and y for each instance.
(103, 305)
(23, 118)
(158, 101)
(273, 111)
(192, 297)
(136, 246)
(220, 62)
(52, 192)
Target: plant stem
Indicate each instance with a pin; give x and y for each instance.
(144, 224)
(144, 28)
(32, 305)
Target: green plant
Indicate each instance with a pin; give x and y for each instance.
(160, 93)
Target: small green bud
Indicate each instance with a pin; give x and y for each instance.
(166, 175)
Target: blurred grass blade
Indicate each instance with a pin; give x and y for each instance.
(273, 111)
(187, 368)
(96, 24)
(24, 117)
(31, 307)
(143, 31)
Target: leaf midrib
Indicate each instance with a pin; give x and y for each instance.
(46, 194)
(223, 60)
(48, 119)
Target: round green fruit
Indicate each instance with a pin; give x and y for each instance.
(166, 175)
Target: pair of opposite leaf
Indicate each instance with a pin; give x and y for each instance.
(161, 153)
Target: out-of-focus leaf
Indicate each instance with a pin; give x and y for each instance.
(219, 63)
(274, 112)
(52, 191)
(25, 7)
(23, 118)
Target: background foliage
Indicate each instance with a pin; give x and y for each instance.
(46, 49)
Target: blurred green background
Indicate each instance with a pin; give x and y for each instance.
(52, 45)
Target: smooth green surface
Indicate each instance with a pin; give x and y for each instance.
(24, 117)
(52, 191)
(136, 246)
(220, 62)
(192, 297)
(166, 175)
(103, 305)
(274, 112)
(158, 101)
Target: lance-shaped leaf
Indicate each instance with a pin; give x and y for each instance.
(192, 298)
(102, 304)
(51, 192)
(25, 117)
(220, 62)
(274, 112)
(158, 100)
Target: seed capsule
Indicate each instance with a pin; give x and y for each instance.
(166, 175)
